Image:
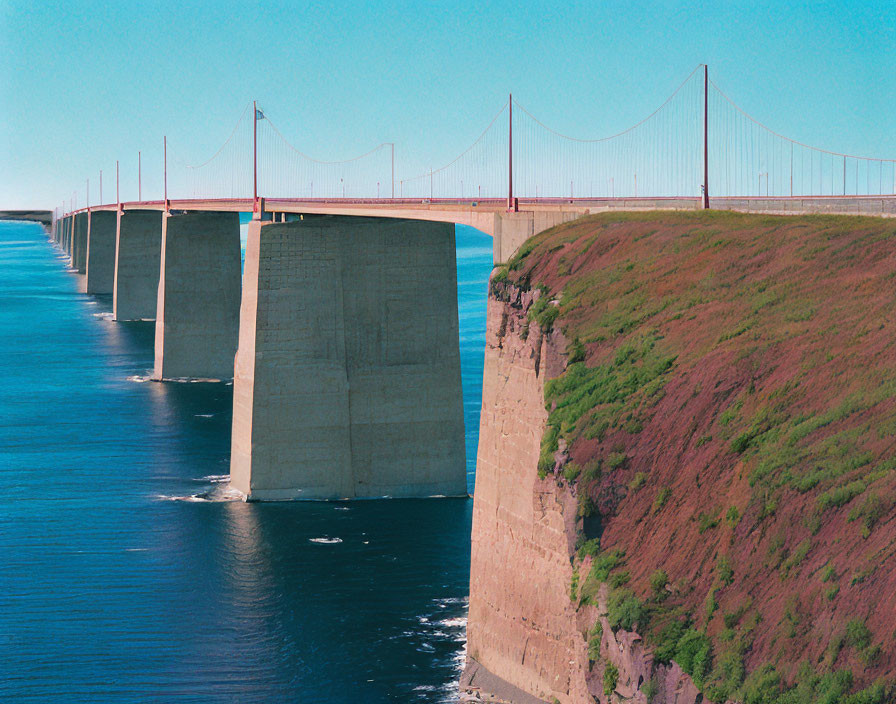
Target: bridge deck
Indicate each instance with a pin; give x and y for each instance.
(470, 211)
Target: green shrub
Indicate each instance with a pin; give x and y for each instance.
(633, 426)
(730, 413)
(710, 604)
(637, 481)
(544, 312)
(605, 563)
(574, 586)
(706, 522)
(869, 655)
(624, 610)
(840, 495)
(732, 517)
(724, 570)
(575, 352)
(796, 557)
(658, 582)
(857, 634)
(694, 654)
(589, 548)
(571, 471)
(594, 638)
(619, 579)
(585, 504)
(762, 686)
(872, 509)
(732, 618)
(616, 459)
(611, 677)
(742, 442)
(662, 496)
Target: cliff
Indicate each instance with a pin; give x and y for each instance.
(685, 486)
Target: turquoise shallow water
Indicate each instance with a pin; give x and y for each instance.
(119, 583)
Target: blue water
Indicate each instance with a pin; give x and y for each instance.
(118, 583)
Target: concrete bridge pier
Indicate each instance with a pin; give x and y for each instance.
(79, 243)
(101, 227)
(138, 255)
(66, 240)
(347, 380)
(198, 305)
(70, 235)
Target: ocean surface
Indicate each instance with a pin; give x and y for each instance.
(124, 574)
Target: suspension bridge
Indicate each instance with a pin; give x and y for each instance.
(341, 333)
(698, 145)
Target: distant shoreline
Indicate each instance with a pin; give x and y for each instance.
(45, 217)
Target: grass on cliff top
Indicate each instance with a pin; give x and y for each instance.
(729, 391)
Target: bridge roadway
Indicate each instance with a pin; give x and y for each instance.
(341, 332)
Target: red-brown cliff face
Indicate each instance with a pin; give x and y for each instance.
(688, 436)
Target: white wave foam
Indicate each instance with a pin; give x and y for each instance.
(214, 479)
(453, 622)
(191, 380)
(341, 508)
(215, 495)
(452, 600)
(190, 498)
(105, 315)
(325, 541)
(204, 415)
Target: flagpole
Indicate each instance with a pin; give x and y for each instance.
(254, 154)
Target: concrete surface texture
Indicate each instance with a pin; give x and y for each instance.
(79, 243)
(197, 311)
(347, 379)
(100, 252)
(138, 254)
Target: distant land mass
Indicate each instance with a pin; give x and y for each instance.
(45, 217)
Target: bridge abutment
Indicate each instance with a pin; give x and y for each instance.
(138, 253)
(347, 380)
(512, 229)
(197, 310)
(100, 252)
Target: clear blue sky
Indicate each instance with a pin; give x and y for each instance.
(85, 83)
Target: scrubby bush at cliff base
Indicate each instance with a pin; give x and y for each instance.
(611, 677)
(732, 424)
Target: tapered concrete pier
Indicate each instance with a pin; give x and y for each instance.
(347, 380)
(138, 254)
(101, 252)
(197, 311)
(79, 243)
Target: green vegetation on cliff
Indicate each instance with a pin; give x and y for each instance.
(728, 410)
